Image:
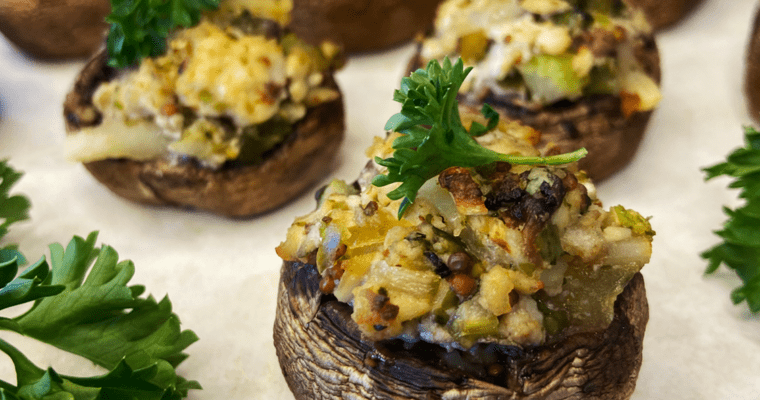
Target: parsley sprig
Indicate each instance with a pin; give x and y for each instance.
(13, 208)
(81, 304)
(139, 28)
(433, 137)
(740, 249)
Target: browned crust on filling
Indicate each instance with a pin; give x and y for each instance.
(662, 14)
(595, 122)
(238, 191)
(752, 73)
(322, 355)
(362, 25)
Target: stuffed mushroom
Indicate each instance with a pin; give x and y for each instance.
(237, 117)
(583, 73)
(507, 279)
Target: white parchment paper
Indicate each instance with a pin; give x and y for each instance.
(221, 275)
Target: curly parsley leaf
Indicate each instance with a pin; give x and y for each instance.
(12, 208)
(123, 382)
(97, 316)
(90, 318)
(139, 28)
(740, 249)
(433, 137)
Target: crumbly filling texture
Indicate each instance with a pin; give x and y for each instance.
(508, 254)
(538, 52)
(226, 90)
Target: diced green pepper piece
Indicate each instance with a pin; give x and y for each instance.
(258, 139)
(480, 327)
(555, 321)
(632, 219)
(444, 300)
(602, 80)
(551, 78)
(549, 244)
(471, 319)
(613, 8)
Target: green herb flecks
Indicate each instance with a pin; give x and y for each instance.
(139, 28)
(433, 137)
(740, 249)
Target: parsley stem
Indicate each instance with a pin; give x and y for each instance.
(566, 158)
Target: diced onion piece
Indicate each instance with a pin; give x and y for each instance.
(615, 233)
(112, 139)
(472, 319)
(554, 40)
(641, 91)
(553, 278)
(638, 91)
(443, 202)
(421, 284)
(632, 252)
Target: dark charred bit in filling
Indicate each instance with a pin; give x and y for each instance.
(439, 267)
(517, 207)
(459, 183)
(536, 209)
(382, 306)
(370, 209)
(571, 183)
(506, 191)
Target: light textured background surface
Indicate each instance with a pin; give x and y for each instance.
(222, 275)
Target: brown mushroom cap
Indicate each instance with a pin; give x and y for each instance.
(664, 13)
(595, 122)
(362, 25)
(322, 355)
(57, 29)
(752, 73)
(236, 191)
